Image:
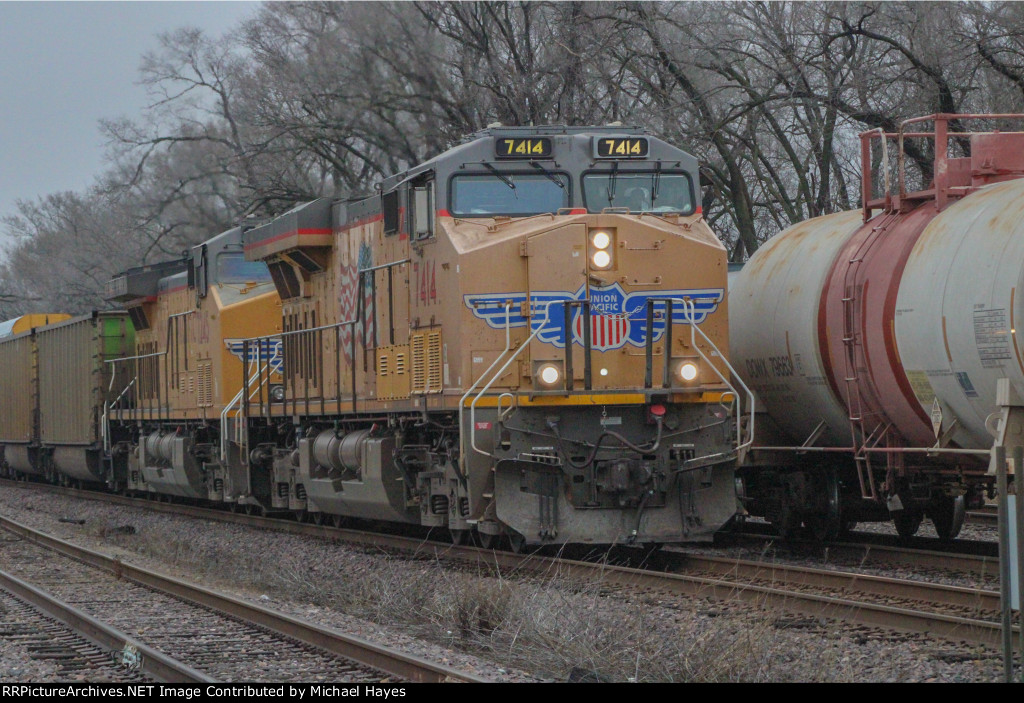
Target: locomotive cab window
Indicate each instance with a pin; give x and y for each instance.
(233, 268)
(421, 215)
(389, 208)
(508, 193)
(649, 191)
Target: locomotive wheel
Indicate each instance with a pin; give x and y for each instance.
(459, 537)
(947, 514)
(907, 522)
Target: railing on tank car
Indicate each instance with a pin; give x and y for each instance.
(941, 191)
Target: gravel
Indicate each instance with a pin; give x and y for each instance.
(523, 629)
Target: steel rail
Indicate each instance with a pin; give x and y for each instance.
(789, 574)
(871, 553)
(862, 612)
(405, 666)
(151, 662)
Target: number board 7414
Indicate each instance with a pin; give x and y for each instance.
(621, 147)
(532, 148)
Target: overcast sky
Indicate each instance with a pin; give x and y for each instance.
(65, 65)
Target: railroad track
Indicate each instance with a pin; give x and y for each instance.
(78, 647)
(895, 604)
(219, 637)
(880, 550)
(986, 515)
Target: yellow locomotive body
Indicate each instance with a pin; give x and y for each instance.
(425, 331)
(187, 372)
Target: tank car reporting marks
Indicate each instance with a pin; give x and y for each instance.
(617, 317)
(991, 335)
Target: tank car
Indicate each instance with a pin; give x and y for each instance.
(875, 339)
(169, 418)
(524, 336)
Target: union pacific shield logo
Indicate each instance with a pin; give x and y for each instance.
(617, 318)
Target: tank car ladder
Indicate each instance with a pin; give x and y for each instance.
(862, 439)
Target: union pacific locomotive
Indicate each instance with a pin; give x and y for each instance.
(522, 338)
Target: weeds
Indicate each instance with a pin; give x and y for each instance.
(552, 626)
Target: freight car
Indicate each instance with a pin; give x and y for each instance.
(55, 385)
(875, 339)
(521, 337)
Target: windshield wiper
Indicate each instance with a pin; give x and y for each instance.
(657, 182)
(504, 179)
(551, 177)
(611, 182)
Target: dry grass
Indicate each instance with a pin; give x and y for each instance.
(551, 626)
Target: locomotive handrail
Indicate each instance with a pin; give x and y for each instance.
(500, 372)
(690, 308)
(133, 358)
(107, 407)
(462, 401)
(237, 401)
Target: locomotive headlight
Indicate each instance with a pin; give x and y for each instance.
(688, 371)
(276, 393)
(548, 374)
(602, 247)
(685, 371)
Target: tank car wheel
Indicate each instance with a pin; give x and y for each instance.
(517, 542)
(318, 517)
(947, 515)
(459, 537)
(299, 515)
(251, 508)
(907, 522)
(787, 523)
(825, 524)
(487, 540)
(339, 521)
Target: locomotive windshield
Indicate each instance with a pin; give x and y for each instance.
(652, 191)
(503, 193)
(233, 268)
